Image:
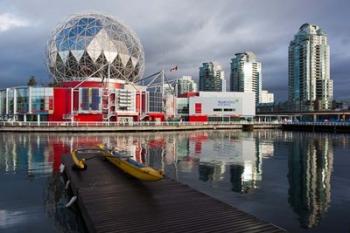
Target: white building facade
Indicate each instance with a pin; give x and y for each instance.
(216, 106)
(266, 97)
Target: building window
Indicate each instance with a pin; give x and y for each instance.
(11, 99)
(90, 99)
(217, 109)
(85, 99)
(95, 99)
(155, 102)
(41, 99)
(229, 109)
(182, 106)
(3, 102)
(198, 108)
(22, 100)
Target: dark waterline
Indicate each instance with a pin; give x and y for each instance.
(299, 181)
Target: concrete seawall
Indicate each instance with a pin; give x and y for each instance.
(137, 128)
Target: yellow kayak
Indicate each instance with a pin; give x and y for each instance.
(132, 167)
(78, 163)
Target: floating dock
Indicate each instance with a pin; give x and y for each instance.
(111, 201)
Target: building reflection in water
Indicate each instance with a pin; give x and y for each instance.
(241, 157)
(230, 158)
(217, 156)
(24, 153)
(310, 166)
(246, 172)
(183, 161)
(42, 153)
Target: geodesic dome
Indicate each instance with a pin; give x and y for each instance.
(93, 45)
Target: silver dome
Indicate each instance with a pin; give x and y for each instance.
(87, 45)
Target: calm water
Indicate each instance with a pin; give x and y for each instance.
(299, 181)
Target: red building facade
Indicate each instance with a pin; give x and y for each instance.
(89, 101)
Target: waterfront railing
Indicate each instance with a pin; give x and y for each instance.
(125, 124)
(329, 123)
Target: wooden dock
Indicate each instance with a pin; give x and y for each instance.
(111, 201)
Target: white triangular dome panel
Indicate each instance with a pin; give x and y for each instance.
(53, 57)
(64, 55)
(77, 54)
(101, 37)
(121, 47)
(124, 58)
(110, 56)
(94, 49)
(134, 61)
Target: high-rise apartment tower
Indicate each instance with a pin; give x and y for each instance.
(309, 84)
(211, 77)
(246, 74)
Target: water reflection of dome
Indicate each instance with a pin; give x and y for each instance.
(310, 167)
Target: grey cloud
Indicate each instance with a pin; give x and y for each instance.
(187, 33)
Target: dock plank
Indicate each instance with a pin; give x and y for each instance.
(111, 201)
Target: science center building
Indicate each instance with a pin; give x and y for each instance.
(96, 63)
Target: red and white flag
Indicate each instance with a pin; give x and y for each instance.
(174, 69)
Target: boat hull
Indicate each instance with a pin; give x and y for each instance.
(78, 163)
(141, 173)
(144, 174)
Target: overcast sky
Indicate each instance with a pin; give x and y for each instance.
(184, 33)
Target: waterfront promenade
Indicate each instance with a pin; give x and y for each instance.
(111, 201)
(334, 127)
(129, 127)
